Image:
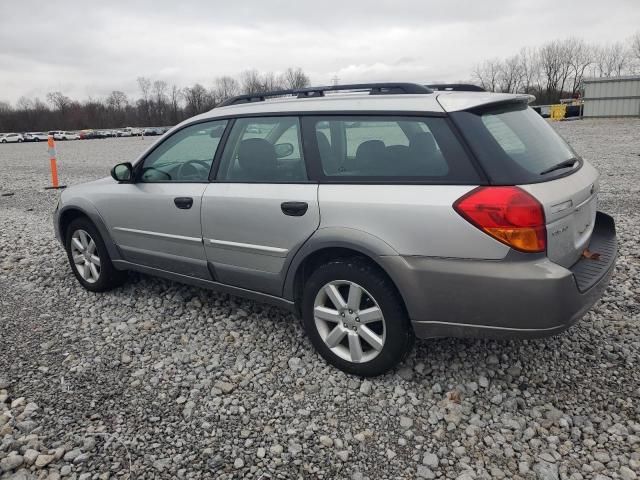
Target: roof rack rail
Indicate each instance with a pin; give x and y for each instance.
(456, 87)
(309, 92)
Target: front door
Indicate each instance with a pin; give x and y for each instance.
(261, 207)
(156, 221)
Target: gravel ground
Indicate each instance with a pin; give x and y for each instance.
(161, 380)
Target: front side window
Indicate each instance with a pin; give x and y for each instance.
(368, 147)
(186, 156)
(266, 150)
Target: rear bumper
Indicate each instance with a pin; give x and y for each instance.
(521, 296)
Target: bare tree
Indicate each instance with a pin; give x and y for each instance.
(144, 104)
(487, 73)
(295, 78)
(271, 82)
(611, 60)
(510, 75)
(250, 82)
(160, 100)
(197, 99)
(530, 67)
(175, 96)
(555, 66)
(24, 103)
(117, 100)
(59, 101)
(635, 46)
(225, 87)
(581, 57)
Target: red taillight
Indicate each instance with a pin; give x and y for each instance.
(508, 214)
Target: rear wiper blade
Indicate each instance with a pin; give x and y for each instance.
(564, 164)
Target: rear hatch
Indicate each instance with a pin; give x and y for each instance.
(516, 146)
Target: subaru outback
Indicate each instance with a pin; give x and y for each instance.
(375, 212)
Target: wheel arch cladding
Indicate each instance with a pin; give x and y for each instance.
(71, 212)
(331, 244)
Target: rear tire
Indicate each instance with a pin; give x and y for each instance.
(89, 258)
(355, 317)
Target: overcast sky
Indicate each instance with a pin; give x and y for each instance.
(90, 48)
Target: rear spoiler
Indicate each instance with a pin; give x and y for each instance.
(453, 102)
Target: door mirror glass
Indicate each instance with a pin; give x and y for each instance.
(283, 149)
(123, 172)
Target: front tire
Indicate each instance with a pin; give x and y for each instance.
(355, 317)
(89, 258)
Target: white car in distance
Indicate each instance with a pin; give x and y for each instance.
(64, 135)
(12, 138)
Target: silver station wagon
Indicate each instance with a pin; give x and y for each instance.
(375, 212)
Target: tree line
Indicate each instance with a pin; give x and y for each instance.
(552, 71)
(557, 69)
(158, 104)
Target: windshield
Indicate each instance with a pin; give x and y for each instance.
(515, 144)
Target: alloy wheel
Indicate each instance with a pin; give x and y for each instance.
(85, 256)
(349, 321)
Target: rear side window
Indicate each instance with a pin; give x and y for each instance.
(353, 148)
(514, 143)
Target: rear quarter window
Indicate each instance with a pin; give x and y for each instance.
(514, 143)
(353, 148)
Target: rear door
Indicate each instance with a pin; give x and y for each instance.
(261, 206)
(518, 147)
(395, 177)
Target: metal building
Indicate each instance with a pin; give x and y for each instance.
(612, 97)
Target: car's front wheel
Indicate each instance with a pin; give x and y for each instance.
(355, 318)
(89, 258)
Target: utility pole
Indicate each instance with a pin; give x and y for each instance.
(335, 80)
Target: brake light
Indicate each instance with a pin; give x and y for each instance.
(508, 214)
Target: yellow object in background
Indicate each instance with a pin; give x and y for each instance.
(558, 112)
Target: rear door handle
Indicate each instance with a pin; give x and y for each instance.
(184, 203)
(294, 209)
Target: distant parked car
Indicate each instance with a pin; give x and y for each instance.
(87, 134)
(35, 137)
(129, 132)
(109, 133)
(151, 131)
(12, 138)
(64, 135)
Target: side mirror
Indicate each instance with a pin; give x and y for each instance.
(283, 149)
(122, 172)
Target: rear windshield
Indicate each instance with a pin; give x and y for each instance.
(514, 144)
(389, 148)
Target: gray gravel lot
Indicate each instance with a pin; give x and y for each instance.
(161, 380)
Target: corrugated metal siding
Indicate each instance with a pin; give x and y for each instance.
(612, 97)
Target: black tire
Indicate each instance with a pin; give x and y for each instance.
(109, 278)
(399, 336)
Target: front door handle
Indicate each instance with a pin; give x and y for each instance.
(184, 203)
(294, 209)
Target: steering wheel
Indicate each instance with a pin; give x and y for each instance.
(193, 170)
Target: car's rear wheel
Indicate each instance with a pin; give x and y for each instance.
(89, 258)
(355, 317)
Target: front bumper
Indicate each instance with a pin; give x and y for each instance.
(521, 296)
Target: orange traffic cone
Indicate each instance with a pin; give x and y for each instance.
(51, 145)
